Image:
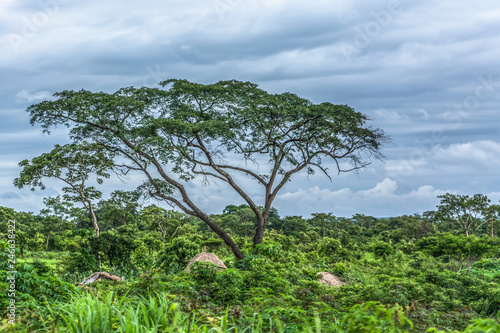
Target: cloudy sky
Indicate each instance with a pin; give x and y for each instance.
(427, 72)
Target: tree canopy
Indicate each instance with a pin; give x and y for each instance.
(223, 131)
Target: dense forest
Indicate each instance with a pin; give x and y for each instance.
(438, 270)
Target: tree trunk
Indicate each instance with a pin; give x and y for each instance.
(172, 234)
(94, 222)
(163, 231)
(222, 234)
(47, 242)
(193, 209)
(96, 228)
(259, 232)
(492, 234)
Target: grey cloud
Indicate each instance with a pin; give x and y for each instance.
(428, 56)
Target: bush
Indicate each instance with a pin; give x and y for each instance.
(340, 269)
(172, 258)
(382, 249)
(328, 246)
(231, 286)
(40, 266)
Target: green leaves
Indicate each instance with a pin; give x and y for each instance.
(73, 163)
(373, 317)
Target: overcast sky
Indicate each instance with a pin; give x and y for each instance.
(427, 72)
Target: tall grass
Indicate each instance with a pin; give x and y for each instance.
(151, 315)
(90, 313)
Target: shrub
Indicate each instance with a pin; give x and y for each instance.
(328, 246)
(172, 258)
(231, 286)
(382, 249)
(340, 269)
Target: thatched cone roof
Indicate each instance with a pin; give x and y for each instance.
(329, 279)
(206, 257)
(98, 276)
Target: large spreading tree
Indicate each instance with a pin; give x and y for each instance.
(228, 131)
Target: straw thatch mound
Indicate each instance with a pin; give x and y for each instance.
(206, 257)
(329, 279)
(98, 276)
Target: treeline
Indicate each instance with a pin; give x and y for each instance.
(137, 237)
(57, 226)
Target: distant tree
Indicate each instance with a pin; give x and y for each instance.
(58, 210)
(363, 221)
(9, 214)
(239, 220)
(468, 213)
(464, 249)
(323, 221)
(409, 227)
(192, 130)
(81, 218)
(293, 225)
(6, 215)
(166, 221)
(74, 164)
(428, 222)
(28, 227)
(493, 216)
(120, 209)
(117, 245)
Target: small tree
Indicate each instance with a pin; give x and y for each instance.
(120, 209)
(323, 221)
(468, 213)
(73, 164)
(167, 221)
(493, 216)
(363, 221)
(56, 213)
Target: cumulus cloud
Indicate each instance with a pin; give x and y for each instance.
(477, 156)
(24, 96)
(381, 200)
(483, 154)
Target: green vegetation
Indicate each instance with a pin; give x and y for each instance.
(401, 274)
